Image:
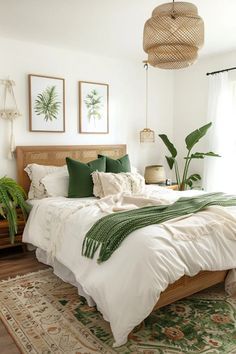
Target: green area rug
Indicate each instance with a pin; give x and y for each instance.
(45, 315)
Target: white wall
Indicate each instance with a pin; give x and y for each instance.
(127, 109)
(190, 100)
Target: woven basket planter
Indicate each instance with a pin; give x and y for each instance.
(154, 174)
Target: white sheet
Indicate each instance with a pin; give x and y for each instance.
(127, 286)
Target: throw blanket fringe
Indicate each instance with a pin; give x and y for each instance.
(111, 230)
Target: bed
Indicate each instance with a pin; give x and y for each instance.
(55, 155)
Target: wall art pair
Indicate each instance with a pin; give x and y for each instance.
(47, 105)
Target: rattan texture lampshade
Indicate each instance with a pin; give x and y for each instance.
(147, 136)
(173, 35)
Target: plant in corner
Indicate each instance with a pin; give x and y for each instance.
(12, 196)
(191, 140)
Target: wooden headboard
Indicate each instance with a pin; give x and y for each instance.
(55, 155)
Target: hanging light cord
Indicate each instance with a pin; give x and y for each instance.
(173, 11)
(146, 68)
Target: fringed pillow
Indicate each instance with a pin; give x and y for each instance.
(113, 183)
(36, 173)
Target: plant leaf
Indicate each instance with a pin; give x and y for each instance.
(194, 137)
(169, 145)
(194, 177)
(171, 161)
(189, 183)
(2, 212)
(201, 155)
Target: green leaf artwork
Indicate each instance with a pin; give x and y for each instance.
(94, 104)
(47, 104)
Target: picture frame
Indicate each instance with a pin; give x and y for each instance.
(93, 108)
(46, 104)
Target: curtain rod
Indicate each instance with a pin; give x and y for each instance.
(221, 71)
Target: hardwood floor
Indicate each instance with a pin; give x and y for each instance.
(14, 262)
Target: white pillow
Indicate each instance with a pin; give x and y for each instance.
(56, 184)
(112, 183)
(36, 173)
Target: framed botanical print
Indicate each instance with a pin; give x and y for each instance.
(46, 104)
(93, 108)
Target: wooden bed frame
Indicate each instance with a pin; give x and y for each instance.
(55, 155)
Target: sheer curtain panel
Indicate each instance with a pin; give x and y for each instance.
(220, 173)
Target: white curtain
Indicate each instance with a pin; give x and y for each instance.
(220, 173)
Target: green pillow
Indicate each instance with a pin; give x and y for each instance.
(80, 179)
(116, 166)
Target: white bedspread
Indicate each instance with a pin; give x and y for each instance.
(126, 287)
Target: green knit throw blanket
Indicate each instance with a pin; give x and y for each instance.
(111, 230)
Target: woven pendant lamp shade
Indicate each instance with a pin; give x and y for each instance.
(147, 136)
(173, 35)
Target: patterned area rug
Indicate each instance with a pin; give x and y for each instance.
(45, 315)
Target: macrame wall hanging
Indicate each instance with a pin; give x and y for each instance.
(9, 111)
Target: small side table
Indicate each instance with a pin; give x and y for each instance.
(173, 186)
(4, 233)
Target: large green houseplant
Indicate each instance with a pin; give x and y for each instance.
(12, 196)
(191, 140)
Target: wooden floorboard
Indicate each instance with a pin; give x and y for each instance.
(14, 262)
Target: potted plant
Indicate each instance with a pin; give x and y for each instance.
(191, 140)
(12, 196)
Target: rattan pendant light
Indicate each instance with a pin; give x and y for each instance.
(147, 135)
(173, 35)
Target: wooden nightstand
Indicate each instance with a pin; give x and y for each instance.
(4, 233)
(173, 186)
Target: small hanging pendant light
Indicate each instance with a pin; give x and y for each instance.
(147, 135)
(173, 35)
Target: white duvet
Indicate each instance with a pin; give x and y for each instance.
(126, 287)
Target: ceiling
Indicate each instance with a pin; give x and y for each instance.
(107, 27)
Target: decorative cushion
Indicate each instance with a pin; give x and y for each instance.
(56, 184)
(80, 179)
(36, 173)
(112, 183)
(119, 165)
